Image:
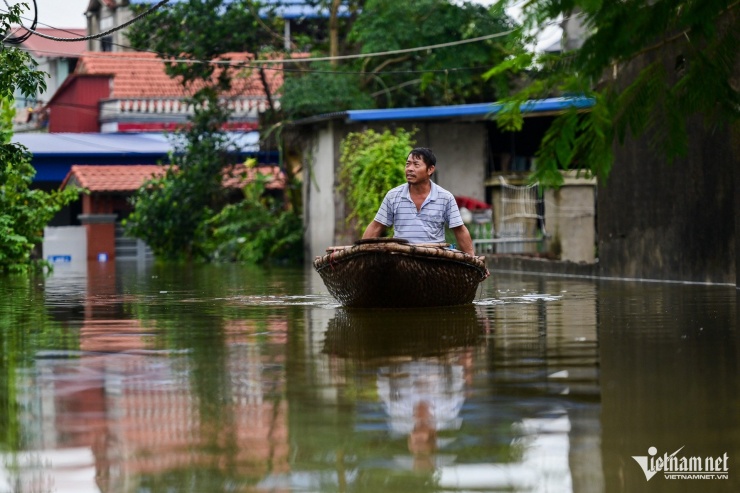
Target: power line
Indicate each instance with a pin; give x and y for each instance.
(285, 60)
(248, 65)
(92, 36)
(16, 40)
(301, 59)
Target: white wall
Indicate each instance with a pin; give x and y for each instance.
(318, 192)
(461, 157)
(65, 247)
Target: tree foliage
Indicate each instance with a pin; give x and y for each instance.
(238, 232)
(371, 163)
(647, 64)
(170, 210)
(322, 90)
(448, 75)
(173, 212)
(23, 212)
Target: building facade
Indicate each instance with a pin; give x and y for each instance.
(472, 157)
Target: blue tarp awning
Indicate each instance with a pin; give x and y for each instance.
(465, 110)
(458, 111)
(54, 153)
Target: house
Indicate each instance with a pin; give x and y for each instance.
(103, 15)
(53, 155)
(130, 92)
(473, 157)
(107, 201)
(56, 58)
(299, 16)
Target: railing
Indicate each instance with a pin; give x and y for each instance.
(115, 108)
(521, 220)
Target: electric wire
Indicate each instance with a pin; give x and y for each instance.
(16, 40)
(265, 63)
(269, 64)
(32, 29)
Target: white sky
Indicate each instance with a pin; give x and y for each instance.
(63, 13)
(57, 13)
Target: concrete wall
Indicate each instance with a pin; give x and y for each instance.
(318, 190)
(570, 219)
(461, 156)
(672, 220)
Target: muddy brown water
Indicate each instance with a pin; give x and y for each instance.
(141, 378)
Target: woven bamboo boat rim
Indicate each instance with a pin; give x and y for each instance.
(430, 251)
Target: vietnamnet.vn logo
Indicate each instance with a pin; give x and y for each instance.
(680, 467)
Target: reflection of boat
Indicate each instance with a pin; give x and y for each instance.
(369, 334)
(388, 272)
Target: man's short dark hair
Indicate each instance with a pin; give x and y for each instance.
(425, 154)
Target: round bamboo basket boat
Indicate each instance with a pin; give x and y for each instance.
(392, 273)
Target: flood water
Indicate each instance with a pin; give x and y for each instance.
(140, 378)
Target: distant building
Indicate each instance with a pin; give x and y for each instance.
(103, 15)
(107, 201)
(130, 92)
(475, 160)
(299, 16)
(56, 58)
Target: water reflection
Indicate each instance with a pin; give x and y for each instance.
(227, 378)
(425, 412)
(159, 392)
(670, 379)
(422, 359)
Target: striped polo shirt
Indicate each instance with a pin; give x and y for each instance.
(425, 226)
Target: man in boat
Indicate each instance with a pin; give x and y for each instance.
(419, 209)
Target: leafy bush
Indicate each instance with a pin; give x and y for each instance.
(23, 212)
(170, 210)
(256, 230)
(371, 163)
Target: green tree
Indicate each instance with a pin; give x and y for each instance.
(371, 163)
(446, 75)
(238, 232)
(171, 212)
(324, 89)
(450, 75)
(635, 37)
(23, 212)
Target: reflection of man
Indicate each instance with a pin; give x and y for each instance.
(423, 438)
(420, 398)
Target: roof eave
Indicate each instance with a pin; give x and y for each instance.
(463, 112)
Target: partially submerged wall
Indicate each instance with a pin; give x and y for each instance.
(673, 221)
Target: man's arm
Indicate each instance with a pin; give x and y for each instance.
(464, 241)
(376, 230)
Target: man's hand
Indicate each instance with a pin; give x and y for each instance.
(464, 241)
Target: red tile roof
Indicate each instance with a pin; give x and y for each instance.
(43, 47)
(128, 178)
(141, 74)
(113, 178)
(239, 175)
